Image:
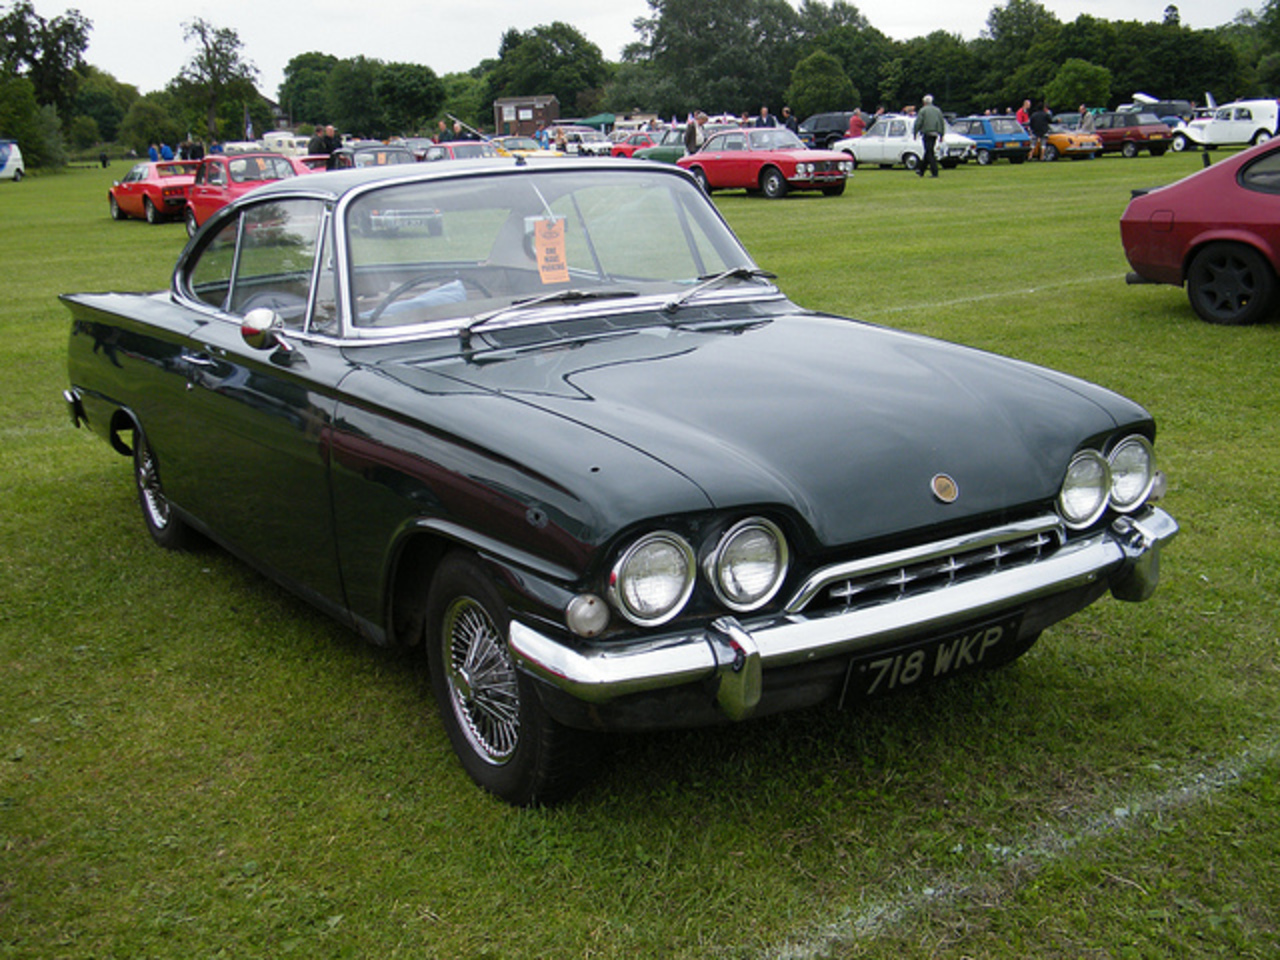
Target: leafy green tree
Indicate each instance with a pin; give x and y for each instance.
(553, 59)
(1078, 81)
(84, 132)
(863, 51)
(153, 118)
(464, 98)
(217, 72)
(304, 92)
(819, 84)
(409, 95)
(353, 104)
(103, 99)
(47, 52)
(20, 113)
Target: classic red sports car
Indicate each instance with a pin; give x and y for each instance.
(222, 178)
(636, 141)
(772, 160)
(152, 191)
(1216, 231)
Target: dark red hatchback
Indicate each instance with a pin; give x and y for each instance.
(1216, 231)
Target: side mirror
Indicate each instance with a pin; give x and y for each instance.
(261, 329)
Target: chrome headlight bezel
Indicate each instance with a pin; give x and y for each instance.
(720, 563)
(1086, 490)
(1133, 472)
(623, 578)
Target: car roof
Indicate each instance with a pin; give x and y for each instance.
(335, 184)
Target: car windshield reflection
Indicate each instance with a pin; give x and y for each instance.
(444, 252)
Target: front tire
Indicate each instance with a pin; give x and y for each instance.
(773, 183)
(1181, 142)
(165, 527)
(190, 218)
(1229, 283)
(911, 161)
(1130, 149)
(504, 738)
(114, 205)
(1051, 152)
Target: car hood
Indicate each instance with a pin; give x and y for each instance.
(843, 423)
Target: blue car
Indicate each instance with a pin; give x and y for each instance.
(995, 137)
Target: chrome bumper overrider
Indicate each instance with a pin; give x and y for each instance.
(1126, 556)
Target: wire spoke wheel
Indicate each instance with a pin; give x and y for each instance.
(483, 690)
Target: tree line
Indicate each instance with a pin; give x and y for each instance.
(730, 56)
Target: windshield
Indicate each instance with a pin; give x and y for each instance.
(775, 139)
(452, 250)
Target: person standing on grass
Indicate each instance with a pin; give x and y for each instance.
(1040, 121)
(930, 125)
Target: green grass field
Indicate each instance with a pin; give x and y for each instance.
(193, 764)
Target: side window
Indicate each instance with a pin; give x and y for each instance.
(217, 175)
(210, 277)
(277, 258)
(1244, 113)
(898, 128)
(1263, 175)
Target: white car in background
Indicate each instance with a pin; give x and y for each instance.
(889, 141)
(1232, 124)
(586, 142)
(11, 166)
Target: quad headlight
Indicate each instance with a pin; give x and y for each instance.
(748, 565)
(1133, 473)
(1123, 481)
(653, 579)
(1086, 489)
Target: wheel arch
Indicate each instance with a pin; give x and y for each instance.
(1238, 237)
(524, 582)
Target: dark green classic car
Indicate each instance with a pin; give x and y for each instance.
(552, 424)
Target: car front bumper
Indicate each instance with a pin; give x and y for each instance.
(730, 657)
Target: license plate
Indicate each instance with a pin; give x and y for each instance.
(933, 659)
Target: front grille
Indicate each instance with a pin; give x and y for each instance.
(889, 577)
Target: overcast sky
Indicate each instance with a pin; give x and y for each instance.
(140, 42)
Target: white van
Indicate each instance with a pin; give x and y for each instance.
(11, 167)
(1232, 124)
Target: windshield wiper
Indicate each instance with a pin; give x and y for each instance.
(558, 296)
(714, 280)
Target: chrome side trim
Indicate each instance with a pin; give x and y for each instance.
(735, 654)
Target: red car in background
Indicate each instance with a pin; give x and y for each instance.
(771, 160)
(152, 191)
(634, 142)
(222, 178)
(1216, 231)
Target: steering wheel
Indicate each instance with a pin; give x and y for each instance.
(413, 282)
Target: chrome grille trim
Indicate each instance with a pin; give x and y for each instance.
(930, 566)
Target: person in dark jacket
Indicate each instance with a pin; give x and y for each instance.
(1040, 121)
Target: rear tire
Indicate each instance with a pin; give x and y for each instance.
(911, 161)
(504, 738)
(152, 214)
(1231, 284)
(165, 527)
(984, 157)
